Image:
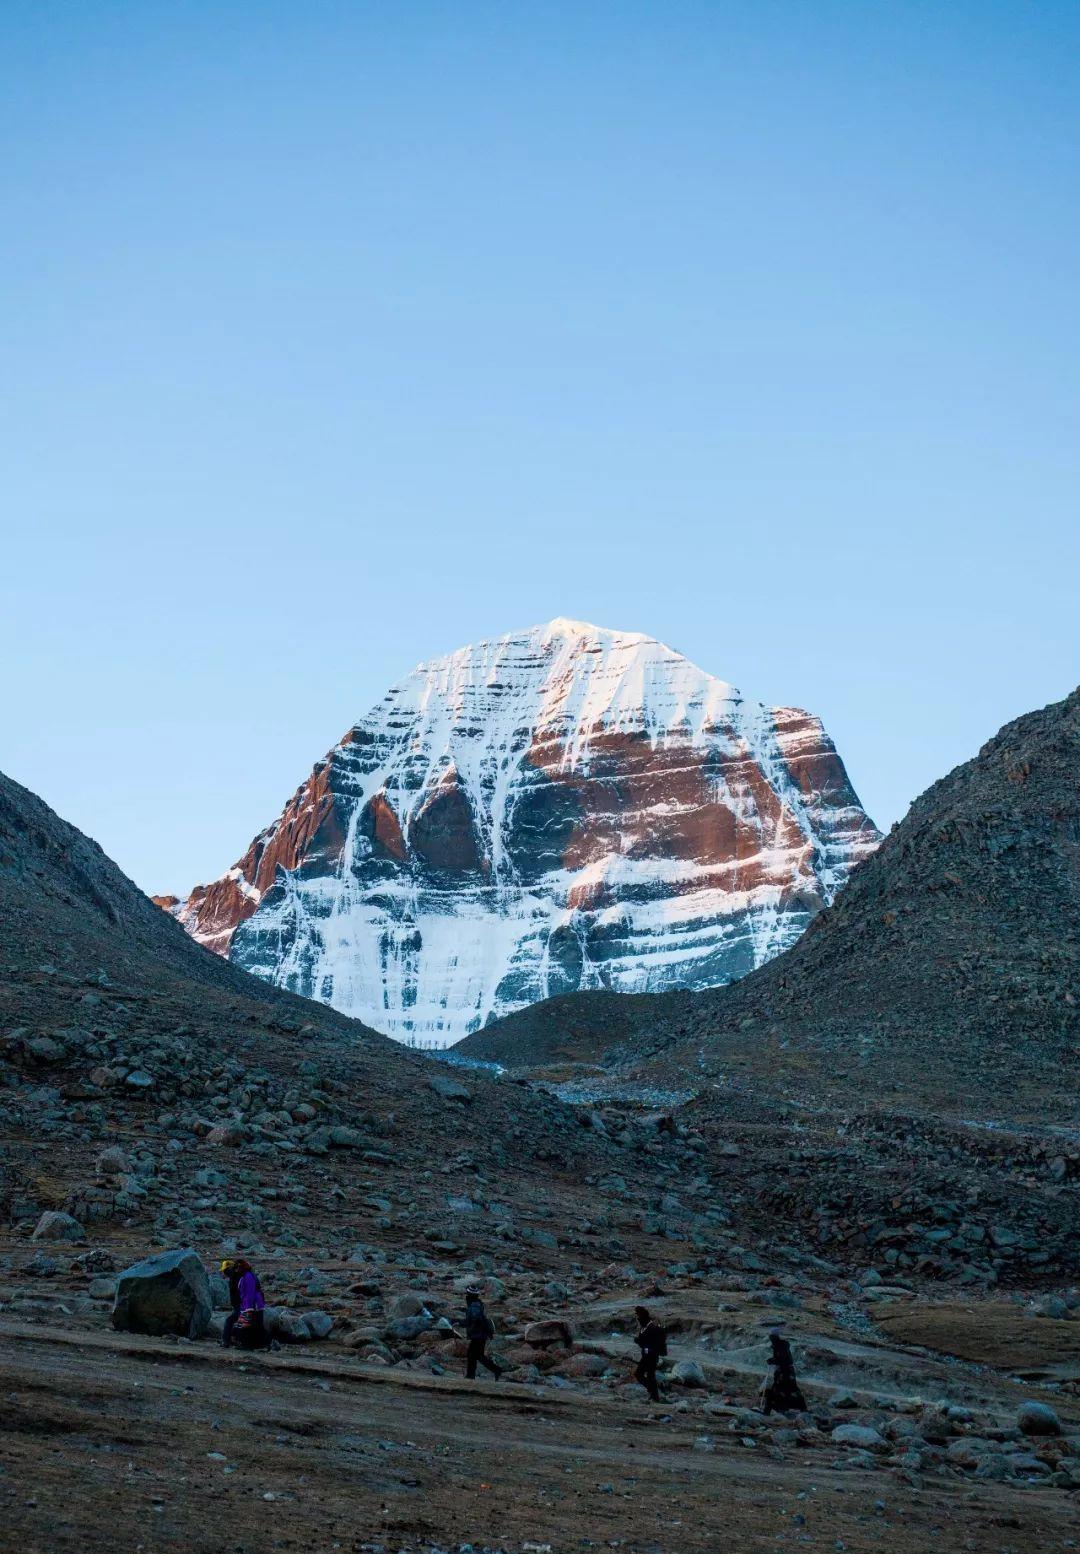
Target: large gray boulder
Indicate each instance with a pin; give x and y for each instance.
(1037, 1419)
(858, 1435)
(449, 1089)
(56, 1226)
(689, 1373)
(548, 1333)
(167, 1293)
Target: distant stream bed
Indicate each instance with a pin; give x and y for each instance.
(583, 1092)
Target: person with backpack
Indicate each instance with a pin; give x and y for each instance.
(245, 1323)
(780, 1389)
(479, 1331)
(651, 1339)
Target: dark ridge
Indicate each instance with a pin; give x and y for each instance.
(65, 905)
(947, 971)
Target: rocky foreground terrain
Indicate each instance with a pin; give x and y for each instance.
(154, 1097)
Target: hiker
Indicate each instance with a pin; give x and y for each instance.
(479, 1329)
(245, 1323)
(780, 1390)
(652, 1341)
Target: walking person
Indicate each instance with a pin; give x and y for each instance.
(652, 1341)
(245, 1323)
(780, 1389)
(479, 1330)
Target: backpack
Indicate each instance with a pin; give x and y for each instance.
(477, 1322)
(661, 1347)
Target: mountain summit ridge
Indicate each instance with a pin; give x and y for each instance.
(556, 808)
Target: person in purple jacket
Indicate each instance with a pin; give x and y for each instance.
(244, 1324)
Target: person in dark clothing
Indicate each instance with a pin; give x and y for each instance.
(245, 1324)
(479, 1330)
(780, 1389)
(652, 1341)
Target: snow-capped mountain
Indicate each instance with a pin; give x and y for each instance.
(559, 808)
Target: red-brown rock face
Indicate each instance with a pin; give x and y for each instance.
(561, 808)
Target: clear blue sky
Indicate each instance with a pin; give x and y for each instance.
(338, 335)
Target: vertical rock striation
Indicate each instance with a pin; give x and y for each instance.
(560, 808)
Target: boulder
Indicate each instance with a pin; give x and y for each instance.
(112, 1162)
(1054, 1308)
(449, 1089)
(410, 1327)
(96, 1261)
(319, 1323)
(408, 1304)
(166, 1293)
(548, 1333)
(55, 1226)
(689, 1373)
(296, 1326)
(1037, 1419)
(44, 1049)
(490, 1288)
(286, 1325)
(226, 1134)
(858, 1435)
(586, 1365)
(42, 1266)
(342, 1137)
(969, 1450)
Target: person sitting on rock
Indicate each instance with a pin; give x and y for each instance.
(245, 1322)
(780, 1390)
(652, 1341)
(479, 1330)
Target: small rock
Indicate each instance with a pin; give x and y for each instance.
(42, 1266)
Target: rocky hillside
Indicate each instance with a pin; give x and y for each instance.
(947, 970)
(113, 1023)
(562, 808)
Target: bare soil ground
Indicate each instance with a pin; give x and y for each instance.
(114, 1443)
(989, 1333)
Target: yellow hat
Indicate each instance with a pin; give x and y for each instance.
(226, 1264)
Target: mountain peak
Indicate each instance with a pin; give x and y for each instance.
(555, 808)
(562, 626)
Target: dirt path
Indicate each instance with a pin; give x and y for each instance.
(111, 1443)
